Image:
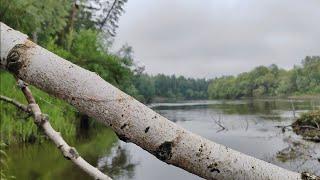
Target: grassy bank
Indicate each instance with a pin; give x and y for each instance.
(16, 126)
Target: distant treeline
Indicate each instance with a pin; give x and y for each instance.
(170, 87)
(269, 81)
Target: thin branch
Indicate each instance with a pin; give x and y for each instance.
(293, 108)
(15, 103)
(68, 152)
(316, 124)
(218, 122)
(108, 15)
(310, 127)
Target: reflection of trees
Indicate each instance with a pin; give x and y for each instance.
(117, 163)
(247, 107)
(302, 154)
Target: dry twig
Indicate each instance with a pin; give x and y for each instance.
(42, 121)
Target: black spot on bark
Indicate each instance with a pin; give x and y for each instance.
(73, 152)
(200, 151)
(164, 151)
(124, 125)
(215, 170)
(122, 115)
(147, 129)
(66, 157)
(123, 138)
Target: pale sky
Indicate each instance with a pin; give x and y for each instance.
(209, 38)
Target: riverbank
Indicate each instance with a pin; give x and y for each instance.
(308, 126)
(305, 96)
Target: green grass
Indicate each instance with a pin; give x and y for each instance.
(15, 127)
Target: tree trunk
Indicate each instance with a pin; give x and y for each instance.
(131, 120)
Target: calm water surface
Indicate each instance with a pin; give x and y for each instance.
(250, 127)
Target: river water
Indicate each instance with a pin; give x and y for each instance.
(249, 126)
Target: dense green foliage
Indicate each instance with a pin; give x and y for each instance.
(170, 87)
(269, 81)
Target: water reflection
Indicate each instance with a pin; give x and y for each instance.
(249, 126)
(44, 161)
(117, 164)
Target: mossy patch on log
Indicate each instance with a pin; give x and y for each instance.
(308, 126)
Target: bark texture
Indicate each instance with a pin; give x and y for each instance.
(131, 120)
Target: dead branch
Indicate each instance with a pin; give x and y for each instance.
(218, 122)
(15, 103)
(42, 121)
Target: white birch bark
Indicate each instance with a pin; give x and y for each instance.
(131, 120)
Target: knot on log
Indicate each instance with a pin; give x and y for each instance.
(71, 153)
(44, 118)
(164, 151)
(15, 58)
(21, 84)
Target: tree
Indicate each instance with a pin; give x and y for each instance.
(145, 86)
(269, 81)
(36, 21)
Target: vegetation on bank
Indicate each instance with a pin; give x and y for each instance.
(3, 163)
(308, 125)
(16, 126)
(269, 81)
(82, 35)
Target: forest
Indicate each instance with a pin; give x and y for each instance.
(270, 81)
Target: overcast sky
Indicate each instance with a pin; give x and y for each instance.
(209, 38)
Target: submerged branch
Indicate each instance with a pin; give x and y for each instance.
(42, 121)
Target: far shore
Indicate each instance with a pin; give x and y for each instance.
(294, 97)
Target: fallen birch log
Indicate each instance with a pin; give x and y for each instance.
(131, 120)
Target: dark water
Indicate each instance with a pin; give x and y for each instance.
(250, 127)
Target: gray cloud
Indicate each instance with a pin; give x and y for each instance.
(208, 38)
